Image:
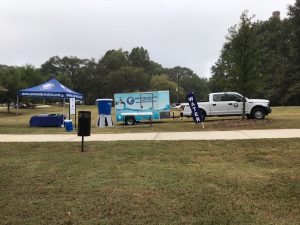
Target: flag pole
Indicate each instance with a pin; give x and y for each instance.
(17, 110)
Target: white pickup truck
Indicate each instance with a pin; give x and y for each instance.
(230, 104)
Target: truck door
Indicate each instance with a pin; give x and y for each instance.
(221, 105)
(146, 102)
(235, 103)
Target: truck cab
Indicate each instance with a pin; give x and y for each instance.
(225, 104)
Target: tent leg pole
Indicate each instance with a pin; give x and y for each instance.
(75, 114)
(63, 105)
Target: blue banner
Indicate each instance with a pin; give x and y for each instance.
(196, 113)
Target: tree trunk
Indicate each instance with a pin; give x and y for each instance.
(8, 107)
(244, 107)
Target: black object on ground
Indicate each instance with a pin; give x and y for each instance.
(84, 125)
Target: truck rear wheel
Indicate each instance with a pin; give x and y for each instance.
(203, 114)
(130, 120)
(258, 113)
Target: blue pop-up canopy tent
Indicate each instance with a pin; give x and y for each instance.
(50, 89)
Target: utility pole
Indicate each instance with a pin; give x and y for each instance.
(177, 87)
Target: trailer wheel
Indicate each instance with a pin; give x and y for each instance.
(130, 120)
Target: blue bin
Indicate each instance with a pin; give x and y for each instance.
(68, 125)
(104, 106)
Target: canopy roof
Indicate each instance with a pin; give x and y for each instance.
(50, 89)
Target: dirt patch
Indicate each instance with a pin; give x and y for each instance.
(239, 123)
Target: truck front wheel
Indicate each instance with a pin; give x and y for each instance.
(258, 113)
(130, 120)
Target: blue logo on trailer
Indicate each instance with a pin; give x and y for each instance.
(130, 100)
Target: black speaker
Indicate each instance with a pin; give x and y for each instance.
(84, 123)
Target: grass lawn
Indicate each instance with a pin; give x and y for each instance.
(281, 117)
(207, 182)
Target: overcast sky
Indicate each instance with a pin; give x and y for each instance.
(187, 33)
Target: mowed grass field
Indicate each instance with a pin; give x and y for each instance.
(207, 182)
(281, 117)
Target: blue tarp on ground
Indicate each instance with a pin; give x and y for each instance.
(47, 121)
(50, 89)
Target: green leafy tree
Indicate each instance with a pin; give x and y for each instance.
(84, 81)
(277, 61)
(273, 59)
(14, 79)
(126, 79)
(188, 81)
(239, 58)
(139, 57)
(154, 68)
(67, 65)
(219, 81)
(293, 74)
(114, 60)
(163, 83)
(51, 66)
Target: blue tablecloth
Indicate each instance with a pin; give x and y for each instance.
(47, 121)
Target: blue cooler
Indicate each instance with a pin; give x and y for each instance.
(104, 106)
(104, 111)
(68, 125)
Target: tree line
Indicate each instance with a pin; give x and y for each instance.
(117, 71)
(259, 59)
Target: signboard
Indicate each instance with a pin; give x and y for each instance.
(72, 106)
(196, 113)
(157, 102)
